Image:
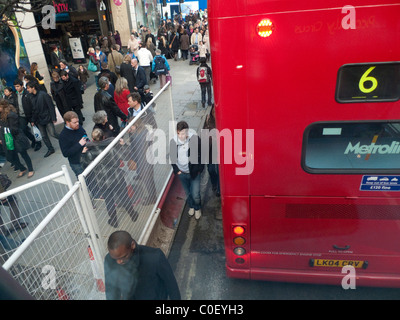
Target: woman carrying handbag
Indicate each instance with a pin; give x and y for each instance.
(13, 140)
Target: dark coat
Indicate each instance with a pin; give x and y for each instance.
(21, 142)
(104, 101)
(43, 111)
(127, 72)
(155, 278)
(174, 42)
(107, 172)
(140, 78)
(59, 96)
(69, 144)
(55, 60)
(108, 133)
(26, 105)
(73, 92)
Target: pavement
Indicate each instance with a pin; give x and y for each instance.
(185, 96)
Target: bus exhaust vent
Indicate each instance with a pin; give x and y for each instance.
(342, 211)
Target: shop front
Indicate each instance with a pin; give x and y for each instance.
(77, 22)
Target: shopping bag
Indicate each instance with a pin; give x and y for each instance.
(92, 67)
(169, 78)
(8, 139)
(36, 133)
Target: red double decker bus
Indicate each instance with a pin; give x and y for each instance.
(319, 83)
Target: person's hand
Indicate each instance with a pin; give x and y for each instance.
(85, 149)
(82, 142)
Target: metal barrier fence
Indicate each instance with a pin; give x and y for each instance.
(60, 251)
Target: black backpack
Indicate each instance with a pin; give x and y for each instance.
(159, 67)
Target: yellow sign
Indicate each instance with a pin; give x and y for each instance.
(338, 263)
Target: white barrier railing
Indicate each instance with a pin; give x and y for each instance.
(65, 221)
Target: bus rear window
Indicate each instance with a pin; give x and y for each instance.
(352, 147)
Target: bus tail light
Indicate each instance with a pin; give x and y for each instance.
(238, 230)
(239, 240)
(265, 28)
(239, 251)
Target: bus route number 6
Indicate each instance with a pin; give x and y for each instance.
(366, 78)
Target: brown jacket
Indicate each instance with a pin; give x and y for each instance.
(184, 42)
(118, 58)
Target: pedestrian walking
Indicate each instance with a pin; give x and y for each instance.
(43, 115)
(83, 76)
(9, 125)
(114, 60)
(72, 87)
(160, 67)
(185, 153)
(24, 110)
(204, 77)
(58, 93)
(126, 72)
(145, 59)
(72, 140)
(184, 45)
(137, 272)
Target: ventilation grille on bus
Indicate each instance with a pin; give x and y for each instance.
(342, 211)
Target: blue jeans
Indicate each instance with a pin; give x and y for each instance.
(192, 190)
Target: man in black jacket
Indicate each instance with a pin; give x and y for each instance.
(24, 110)
(72, 87)
(73, 139)
(43, 114)
(140, 76)
(136, 272)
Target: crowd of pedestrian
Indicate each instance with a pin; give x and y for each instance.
(28, 115)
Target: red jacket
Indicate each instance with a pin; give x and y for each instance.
(122, 100)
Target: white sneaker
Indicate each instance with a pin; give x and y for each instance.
(197, 214)
(191, 212)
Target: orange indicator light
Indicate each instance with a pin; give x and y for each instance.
(238, 230)
(265, 28)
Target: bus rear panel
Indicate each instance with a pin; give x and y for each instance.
(319, 83)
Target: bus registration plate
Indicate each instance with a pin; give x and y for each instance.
(337, 263)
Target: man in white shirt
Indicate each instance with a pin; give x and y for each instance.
(145, 59)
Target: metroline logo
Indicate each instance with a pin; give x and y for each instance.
(373, 148)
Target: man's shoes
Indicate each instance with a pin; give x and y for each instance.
(37, 147)
(191, 212)
(50, 152)
(197, 214)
